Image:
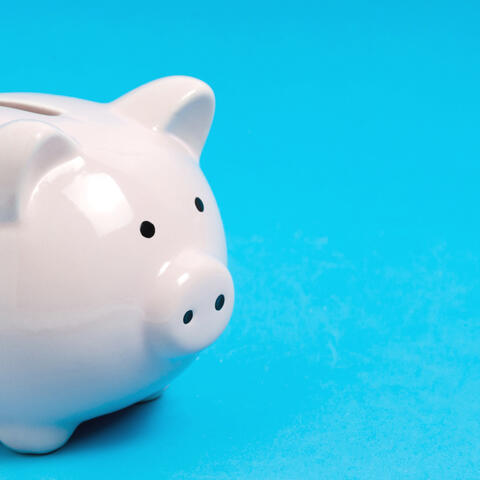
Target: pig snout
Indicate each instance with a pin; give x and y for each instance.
(192, 303)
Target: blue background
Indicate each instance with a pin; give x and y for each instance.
(345, 157)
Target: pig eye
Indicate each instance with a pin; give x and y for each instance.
(199, 204)
(147, 229)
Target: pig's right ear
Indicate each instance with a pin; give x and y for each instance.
(180, 106)
(28, 151)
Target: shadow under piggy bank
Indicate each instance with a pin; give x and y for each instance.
(118, 427)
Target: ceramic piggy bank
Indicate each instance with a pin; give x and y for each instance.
(112, 254)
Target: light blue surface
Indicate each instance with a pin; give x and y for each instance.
(345, 157)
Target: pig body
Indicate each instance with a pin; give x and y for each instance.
(113, 258)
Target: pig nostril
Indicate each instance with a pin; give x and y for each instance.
(199, 204)
(187, 318)
(219, 302)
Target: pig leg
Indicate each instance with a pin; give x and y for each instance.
(35, 439)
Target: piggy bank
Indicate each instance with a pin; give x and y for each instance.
(112, 254)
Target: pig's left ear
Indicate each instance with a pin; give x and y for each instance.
(181, 106)
(29, 149)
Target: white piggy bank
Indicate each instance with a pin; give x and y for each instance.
(112, 254)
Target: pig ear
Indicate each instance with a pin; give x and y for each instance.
(28, 150)
(182, 106)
